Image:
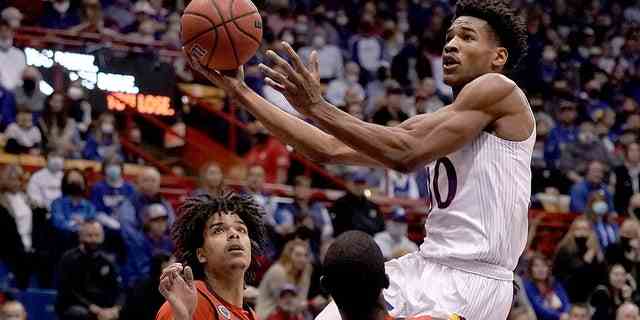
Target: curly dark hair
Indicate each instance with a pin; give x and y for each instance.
(188, 230)
(509, 28)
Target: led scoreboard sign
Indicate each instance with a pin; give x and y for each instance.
(148, 104)
(120, 89)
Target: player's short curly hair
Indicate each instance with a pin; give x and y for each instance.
(509, 27)
(188, 230)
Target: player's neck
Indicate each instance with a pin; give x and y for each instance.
(229, 287)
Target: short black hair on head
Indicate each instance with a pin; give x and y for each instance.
(509, 28)
(353, 273)
(188, 230)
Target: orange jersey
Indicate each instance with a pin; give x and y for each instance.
(209, 307)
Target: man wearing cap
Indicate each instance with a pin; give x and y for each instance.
(142, 246)
(393, 242)
(288, 307)
(354, 210)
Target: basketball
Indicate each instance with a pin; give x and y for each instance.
(221, 34)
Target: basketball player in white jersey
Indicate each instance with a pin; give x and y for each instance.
(477, 153)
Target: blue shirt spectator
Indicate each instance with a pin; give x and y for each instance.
(7, 108)
(143, 245)
(548, 298)
(110, 193)
(566, 132)
(593, 182)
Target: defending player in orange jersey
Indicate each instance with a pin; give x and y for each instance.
(216, 239)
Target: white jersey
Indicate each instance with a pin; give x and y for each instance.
(479, 206)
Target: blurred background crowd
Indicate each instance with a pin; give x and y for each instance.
(90, 243)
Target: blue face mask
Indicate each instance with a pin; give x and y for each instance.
(600, 208)
(113, 173)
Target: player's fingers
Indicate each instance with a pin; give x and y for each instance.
(314, 65)
(297, 62)
(278, 77)
(292, 75)
(188, 276)
(275, 85)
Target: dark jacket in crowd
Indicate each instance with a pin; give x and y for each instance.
(356, 213)
(87, 278)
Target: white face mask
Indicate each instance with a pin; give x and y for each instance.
(319, 41)
(61, 7)
(600, 208)
(107, 128)
(55, 164)
(75, 93)
(5, 44)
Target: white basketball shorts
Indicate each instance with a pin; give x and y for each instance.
(421, 287)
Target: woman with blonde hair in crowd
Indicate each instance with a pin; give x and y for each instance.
(292, 268)
(579, 261)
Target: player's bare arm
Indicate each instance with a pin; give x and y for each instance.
(305, 138)
(416, 142)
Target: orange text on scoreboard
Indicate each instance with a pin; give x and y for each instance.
(147, 104)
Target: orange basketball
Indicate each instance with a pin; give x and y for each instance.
(221, 34)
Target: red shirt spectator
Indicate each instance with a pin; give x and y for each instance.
(270, 154)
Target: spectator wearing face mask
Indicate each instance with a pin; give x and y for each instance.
(579, 261)
(393, 242)
(89, 285)
(593, 181)
(103, 142)
(79, 108)
(338, 87)
(72, 209)
(45, 185)
(22, 136)
(604, 219)
(29, 94)
(109, 194)
(329, 57)
(60, 14)
(12, 59)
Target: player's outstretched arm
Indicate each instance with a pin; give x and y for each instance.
(417, 141)
(305, 138)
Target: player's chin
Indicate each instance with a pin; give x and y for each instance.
(451, 79)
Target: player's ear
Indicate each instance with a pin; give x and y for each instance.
(500, 59)
(202, 258)
(385, 281)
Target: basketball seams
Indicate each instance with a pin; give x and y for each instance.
(245, 33)
(215, 26)
(224, 25)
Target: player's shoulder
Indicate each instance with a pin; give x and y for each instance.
(165, 312)
(493, 83)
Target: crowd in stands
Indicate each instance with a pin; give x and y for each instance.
(380, 61)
